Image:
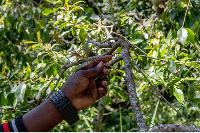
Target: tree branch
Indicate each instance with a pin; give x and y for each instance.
(119, 58)
(102, 45)
(174, 128)
(109, 39)
(131, 87)
(99, 118)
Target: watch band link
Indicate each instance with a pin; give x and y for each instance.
(64, 105)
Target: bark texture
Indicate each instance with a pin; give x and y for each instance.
(99, 118)
(174, 128)
(131, 87)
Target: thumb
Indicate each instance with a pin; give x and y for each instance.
(93, 72)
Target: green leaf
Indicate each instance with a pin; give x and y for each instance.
(191, 36)
(136, 41)
(6, 107)
(4, 101)
(54, 1)
(68, 14)
(163, 51)
(154, 114)
(178, 93)
(99, 26)
(108, 99)
(197, 2)
(20, 91)
(86, 47)
(29, 42)
(48, 11)
(82, 35)
(36, 87)
(172, 34)
(172, 66)
(182, 35)
(3, 70)
(143, 87)
(173, 13)
(94, 17)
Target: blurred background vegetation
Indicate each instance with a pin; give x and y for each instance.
(38, 37)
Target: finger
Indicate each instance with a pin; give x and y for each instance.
(105, 59)
(102, 91)
(98, 93)
(106, 70)
(102, 82)
(93, 72)
(92, 88)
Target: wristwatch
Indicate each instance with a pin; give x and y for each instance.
(64, 105)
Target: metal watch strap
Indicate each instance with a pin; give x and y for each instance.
(63, 104)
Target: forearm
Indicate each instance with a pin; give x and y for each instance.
(42, 118)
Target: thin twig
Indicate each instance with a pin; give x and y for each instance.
(160, 93)
(44, 92)
(186, 13)
(55, 84)
(130, 42)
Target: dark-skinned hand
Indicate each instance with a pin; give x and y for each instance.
(81, 87)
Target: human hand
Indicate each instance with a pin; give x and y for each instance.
(81, 87)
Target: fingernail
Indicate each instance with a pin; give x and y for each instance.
(101, 89)
(108, 70)
(100, 64)
(105, 82)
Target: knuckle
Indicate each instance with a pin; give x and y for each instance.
(94, 70)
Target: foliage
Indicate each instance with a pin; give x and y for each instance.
(37, 39)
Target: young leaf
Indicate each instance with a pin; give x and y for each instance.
(76, 54)
(182, 35)
(178, 93)
(99, 26)
(82, 35)
(172, 66)
(28, 42)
